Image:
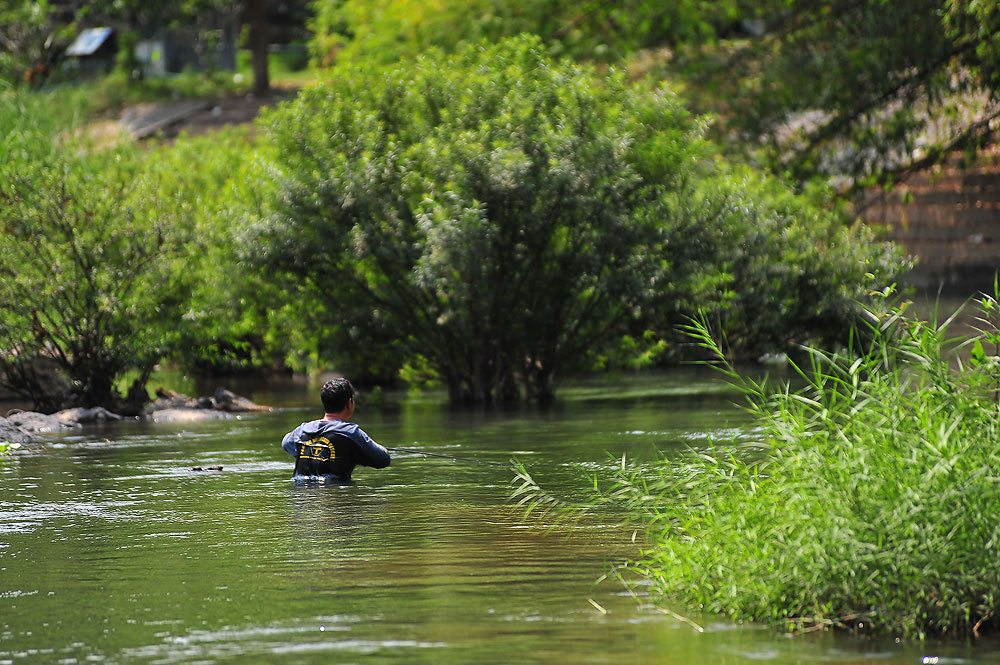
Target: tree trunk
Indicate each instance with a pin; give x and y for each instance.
(255, 15)
(539, 384)
(96, 389)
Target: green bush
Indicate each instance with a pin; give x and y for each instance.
(506, 217)
(488, 211)
(767, 266)
(114, 258)
(868, 500)
(216, 182)
(92, 274)
(37, 126)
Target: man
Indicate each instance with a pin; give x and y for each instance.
(332, 447)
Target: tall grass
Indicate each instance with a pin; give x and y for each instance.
(871, 498)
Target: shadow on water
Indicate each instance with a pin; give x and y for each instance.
(113, 549)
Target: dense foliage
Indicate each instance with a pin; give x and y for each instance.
(766, 266)
(495, 218)
(385, 31)
(232, 319)
(31, 40)
(505, 217)
(864, 503)
(860, 91)
(484, 208)
(864, 92)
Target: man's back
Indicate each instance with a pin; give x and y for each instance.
(332, 448)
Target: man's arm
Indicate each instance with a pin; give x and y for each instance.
(370, 453)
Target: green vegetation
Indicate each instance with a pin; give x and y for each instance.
(861, 91)
(116, 91)
(91, 263)
(232, 317)
(481, 210)
(115, 257)
(27, 37)
(90, 275)
(866, 502)
(8, 448)
(386, 31)
(864, 92)
(506, 217)
(489, 217)
(601, 196)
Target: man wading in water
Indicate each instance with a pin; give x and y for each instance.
(332, 447)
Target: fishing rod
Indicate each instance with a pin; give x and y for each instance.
(454, 458)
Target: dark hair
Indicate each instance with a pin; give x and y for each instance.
(335, 394)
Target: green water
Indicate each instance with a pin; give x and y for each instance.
(113, 550)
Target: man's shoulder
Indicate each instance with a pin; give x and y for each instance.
(312, 428)
(340, 427)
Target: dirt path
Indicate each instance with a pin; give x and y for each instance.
(166, 120)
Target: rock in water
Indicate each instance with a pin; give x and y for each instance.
(12, 433)
(229, 401)
(80, 415)
(33, 421)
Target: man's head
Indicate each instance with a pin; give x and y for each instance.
(336, 394)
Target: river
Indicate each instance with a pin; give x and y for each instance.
(114, 550)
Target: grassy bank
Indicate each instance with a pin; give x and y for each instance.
(869, 502)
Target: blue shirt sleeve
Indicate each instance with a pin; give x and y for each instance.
(288, 443)
(372, 454)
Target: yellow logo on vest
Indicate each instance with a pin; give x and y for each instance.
(319, 449)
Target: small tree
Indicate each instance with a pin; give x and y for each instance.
(89, 277)
(489, 209)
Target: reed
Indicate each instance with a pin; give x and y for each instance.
(870, 500)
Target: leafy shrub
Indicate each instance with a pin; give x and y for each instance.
(216, 183)
(116, 257)
(385, 31)
(91, 268)
(487, 211)
(36, 126)
(767, 266)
